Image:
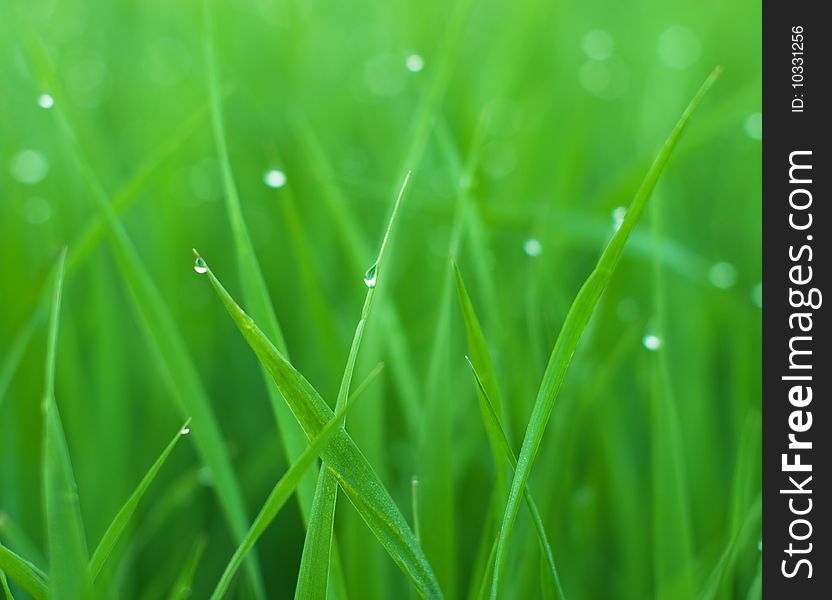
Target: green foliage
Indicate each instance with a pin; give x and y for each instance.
(269, 135)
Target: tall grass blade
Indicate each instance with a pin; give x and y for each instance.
(166, 343)
(119, 524)
(492, 423)
(182, 588)
(576, 320)
(352, 470)
(284, 488)
(255, 291)
(68, 557)
(4, 585)
(15, 353)
(27, 575)
(314, 567)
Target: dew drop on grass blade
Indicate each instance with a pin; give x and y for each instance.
(313, 577)
(354, 473)
(122, 518)
(573, 326)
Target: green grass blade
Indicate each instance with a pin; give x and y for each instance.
(284, 488)
(4, 585)
(122, 518)
(255, 291)
(182, 588)
(352, 470)
(480, 360)
(487, 385)
(68, 556)
(166, 343)
(576, 320)
(27, 575)
(15, 353)
(313, 577)
(492, 423)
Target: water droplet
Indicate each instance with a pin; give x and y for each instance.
(274, 178)
(652, 342)
(414, 63)
(679, 48)
(618, 215)
(370, 276)
(46, 101)
(754, 126)
(532, 247)
(185, 430)
(723, 275)
(757, 295)
(29, 167)
(760, 544)
(598, 44)
(200, 266)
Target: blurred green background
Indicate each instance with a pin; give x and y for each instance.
(527, 125)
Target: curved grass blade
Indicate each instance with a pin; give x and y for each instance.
(27, 575)
(182, 588)
(492, 424)
(284, 488)
(4, 585)
(68, 557)
(313, 577)
(576, 320)
(14, 355)
(350, 467)
(487, 385)
(166, 343)
(122, 518)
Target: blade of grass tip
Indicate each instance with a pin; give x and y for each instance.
(166, 343)
(285, 486)
(351, 468)
(313, 577)
(68, 557)
(27, 575)
(182, 588)
(358, 250)
(573, 326)
(122, 518)
(483, 364)
(492, 422)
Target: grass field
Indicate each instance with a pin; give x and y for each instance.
(385, 188)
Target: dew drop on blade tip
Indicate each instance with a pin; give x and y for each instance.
(370, 276)
(185, 430)
(200, 266)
